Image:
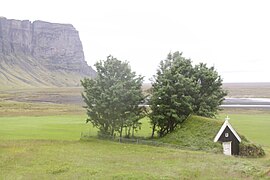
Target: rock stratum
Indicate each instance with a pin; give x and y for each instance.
(40, 54)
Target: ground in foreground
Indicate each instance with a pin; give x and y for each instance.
(40, 140)
(48, 147)
(49, 159)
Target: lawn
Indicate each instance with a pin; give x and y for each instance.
(63, 127)
(51, 159)
(256, 127)
(48, 147)
(69, 127)
(42, 141)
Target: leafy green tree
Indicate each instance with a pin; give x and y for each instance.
(172, 100)
(179, 89)
(113, 97)
(210, 93)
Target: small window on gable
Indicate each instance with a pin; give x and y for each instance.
(226, 134)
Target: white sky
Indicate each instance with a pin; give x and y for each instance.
(232, 35)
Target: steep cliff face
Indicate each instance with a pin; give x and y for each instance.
(41, 53)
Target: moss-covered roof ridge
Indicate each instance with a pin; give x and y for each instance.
(197, 133)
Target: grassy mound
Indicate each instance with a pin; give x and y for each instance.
(196, 133)
(251, 150)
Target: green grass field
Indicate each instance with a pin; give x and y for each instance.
(49, 159)
(62, 127)
(42, 141)
(48, 147)
(256, 127)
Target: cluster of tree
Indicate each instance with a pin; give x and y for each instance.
(113, 98)
(179, 89)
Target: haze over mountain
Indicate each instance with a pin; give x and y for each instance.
(39, 53)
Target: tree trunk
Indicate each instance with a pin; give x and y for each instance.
(121, 130)
(112, 132)
(161, 132)
(128, 132)
(133, 130)
(153, 131)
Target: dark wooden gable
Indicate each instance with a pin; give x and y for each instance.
(228, 136)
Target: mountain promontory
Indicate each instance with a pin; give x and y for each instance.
(41, 54)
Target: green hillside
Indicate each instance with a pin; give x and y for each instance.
(196, 133)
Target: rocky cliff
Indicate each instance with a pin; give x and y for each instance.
(41, 54)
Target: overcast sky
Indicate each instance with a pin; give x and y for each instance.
(232, 35)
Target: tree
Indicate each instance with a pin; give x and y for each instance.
(113, 97)
(210, 93)
(172, 100)
(179, 89)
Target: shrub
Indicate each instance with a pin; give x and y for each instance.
(251, 150)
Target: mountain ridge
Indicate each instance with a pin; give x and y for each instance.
(41, 53)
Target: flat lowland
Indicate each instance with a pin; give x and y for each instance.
(248, 90)
(241, 90)
(41, 140)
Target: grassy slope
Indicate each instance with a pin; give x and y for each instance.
(196, 133)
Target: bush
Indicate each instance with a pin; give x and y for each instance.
(251, 150)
